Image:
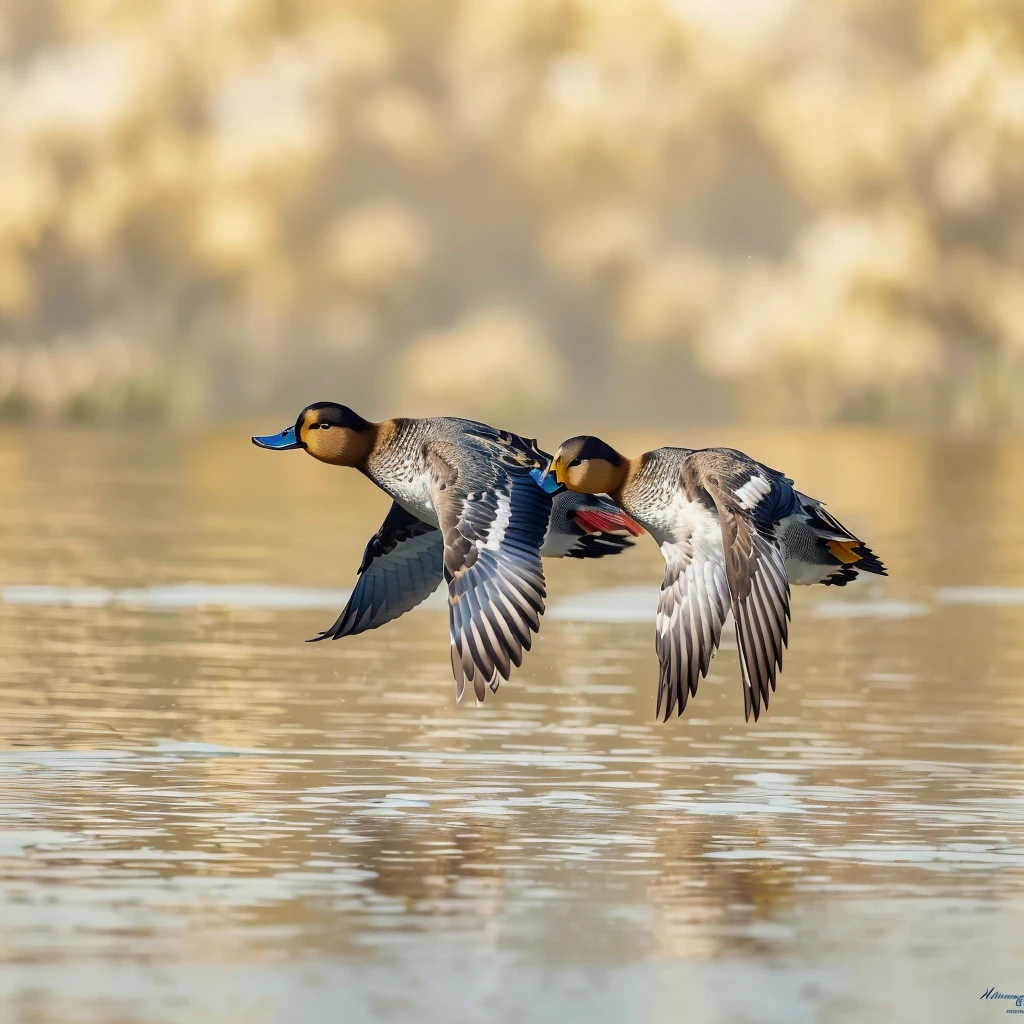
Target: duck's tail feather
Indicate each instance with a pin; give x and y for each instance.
(840, 548)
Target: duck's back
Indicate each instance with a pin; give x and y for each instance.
(581, 526)
(817, 548)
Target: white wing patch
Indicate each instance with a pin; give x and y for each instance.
(753, 491)
(502, 517)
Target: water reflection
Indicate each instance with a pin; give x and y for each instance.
(201, 817)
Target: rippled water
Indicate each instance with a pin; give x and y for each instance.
(203, 818)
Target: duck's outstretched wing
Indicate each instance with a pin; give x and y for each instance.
(693, 605)
(749, 499)
(587, 526)
(403, 564)
(493, 519)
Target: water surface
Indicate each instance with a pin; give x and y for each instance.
(204, 819)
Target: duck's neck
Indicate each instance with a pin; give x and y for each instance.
(374, 443)
(626, 472)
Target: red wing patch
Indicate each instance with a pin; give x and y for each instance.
(599, 521)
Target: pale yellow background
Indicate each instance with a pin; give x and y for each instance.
(797, 210)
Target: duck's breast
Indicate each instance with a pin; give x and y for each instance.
(401, 471)
(412, 492)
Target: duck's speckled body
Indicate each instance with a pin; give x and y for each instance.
(735, 534)
(465, 511)
(580, 526)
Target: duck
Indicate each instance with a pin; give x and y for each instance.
(464, 511)
(735, 535)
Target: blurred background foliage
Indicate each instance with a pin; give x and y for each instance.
(800, 210)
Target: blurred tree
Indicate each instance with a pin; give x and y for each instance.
(799, 209)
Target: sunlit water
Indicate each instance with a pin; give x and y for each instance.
(204, 819)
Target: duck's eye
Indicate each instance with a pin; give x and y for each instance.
(576, 462)
(324, 426)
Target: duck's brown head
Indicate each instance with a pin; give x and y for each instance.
(588, 465)
(329, 432)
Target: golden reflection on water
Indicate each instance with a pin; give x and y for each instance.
(203, 818)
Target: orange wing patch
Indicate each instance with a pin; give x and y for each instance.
(845, 551)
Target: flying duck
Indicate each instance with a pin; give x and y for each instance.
(465, 510)
(735, 534)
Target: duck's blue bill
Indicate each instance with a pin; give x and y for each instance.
(546, 481)
(279, 442)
